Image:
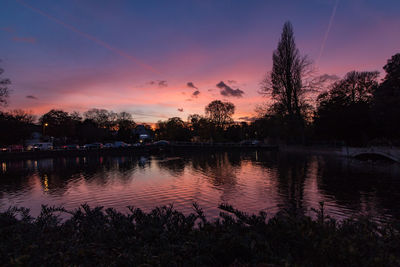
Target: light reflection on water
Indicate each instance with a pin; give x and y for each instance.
(250, 181)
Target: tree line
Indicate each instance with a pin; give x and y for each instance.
(357, 109)
(94, 125)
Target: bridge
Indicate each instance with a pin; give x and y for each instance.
(391, 153)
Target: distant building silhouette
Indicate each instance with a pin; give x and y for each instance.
(142, 133)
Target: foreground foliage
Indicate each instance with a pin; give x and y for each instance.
(166, 237)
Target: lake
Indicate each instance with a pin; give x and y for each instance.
(250, 181)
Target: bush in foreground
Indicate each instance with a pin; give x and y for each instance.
(166, 237)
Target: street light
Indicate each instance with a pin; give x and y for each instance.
(44, 128)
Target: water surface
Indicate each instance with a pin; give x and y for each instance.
(250, 181)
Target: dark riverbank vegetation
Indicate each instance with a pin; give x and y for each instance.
(303, 108)
(166, 237)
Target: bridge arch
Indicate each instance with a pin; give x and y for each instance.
(374, 155)
(383, 152)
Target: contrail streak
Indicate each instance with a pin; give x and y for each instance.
(327, 31)
(92, 38)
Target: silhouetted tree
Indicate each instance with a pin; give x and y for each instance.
(76, 116)
(16, 126)
(386, 107)
(236, 132)
(193, 120)
(23, 116)
(286, 82)
(194, 124)
(125, 125)
(102, 117)
(269, 127)
(202, 128)
(173, 129)
(344, 112)
(91, 132)
(220, 113)
(4, 83)
(57, 123)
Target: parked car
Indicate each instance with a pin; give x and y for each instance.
(136, 144)
(161, 143)
(71, 147)
(120, 144)
(93, 146)
(41, 146)
(15, 148)
(108, 145)
(255, 142)
(250, 142)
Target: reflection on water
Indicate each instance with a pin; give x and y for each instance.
(251, 181)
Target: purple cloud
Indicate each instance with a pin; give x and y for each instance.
(31, 97)
(191, 85)
(160, 83)
(196, 94)
(228, 91)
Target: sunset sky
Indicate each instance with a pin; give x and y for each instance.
(159, 59)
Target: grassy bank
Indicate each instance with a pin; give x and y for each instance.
(166, 237)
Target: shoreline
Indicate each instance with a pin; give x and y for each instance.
(387, 153)
(125, 151)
